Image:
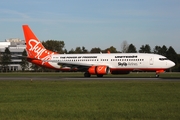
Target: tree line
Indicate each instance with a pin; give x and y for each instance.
(59, 47)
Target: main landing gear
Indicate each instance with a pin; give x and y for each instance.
(87, 74)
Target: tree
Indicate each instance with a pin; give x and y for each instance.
(131, 49)
(6, 59)
(71, 51)
(178, 62)
(164, 50)
(54, 45)
(78, 50)
(124, 47)
(157, 49)
(110, 49)
(95, 50)
(142, 49)
(84, 50)
(24, 63)
(145, 49)
(65, 51)
(160, 50)
(172, 55)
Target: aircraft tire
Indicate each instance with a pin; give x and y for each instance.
(86, 74)
(157, 76)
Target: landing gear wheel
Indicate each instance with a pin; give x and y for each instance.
(157, 75)
(86, 74)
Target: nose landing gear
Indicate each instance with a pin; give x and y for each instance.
(157, 75)
(158, 72)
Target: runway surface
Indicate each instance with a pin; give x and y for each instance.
(87, 79)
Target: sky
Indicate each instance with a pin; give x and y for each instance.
(94, 23)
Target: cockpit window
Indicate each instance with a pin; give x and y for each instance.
(163, 59)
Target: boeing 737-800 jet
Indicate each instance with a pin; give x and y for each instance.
(93, 64)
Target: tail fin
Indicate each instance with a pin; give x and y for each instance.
(34, 47)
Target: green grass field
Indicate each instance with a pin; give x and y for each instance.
(88, 99)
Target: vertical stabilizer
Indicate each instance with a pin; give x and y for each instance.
(34, 47)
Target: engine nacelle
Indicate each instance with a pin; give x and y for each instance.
(98, 70)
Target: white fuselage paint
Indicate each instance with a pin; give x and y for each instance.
(134, 61)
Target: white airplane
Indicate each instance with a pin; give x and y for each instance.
(93, 64)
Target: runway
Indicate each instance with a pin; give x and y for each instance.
(87, 79)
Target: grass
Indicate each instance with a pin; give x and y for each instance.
(96, 99)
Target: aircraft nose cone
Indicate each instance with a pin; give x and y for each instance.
(172, 63)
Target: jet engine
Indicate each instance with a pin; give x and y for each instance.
(98, 70)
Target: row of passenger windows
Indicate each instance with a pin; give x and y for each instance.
(78, 60)
(127, 59)
(100, 60)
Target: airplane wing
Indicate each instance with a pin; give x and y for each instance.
(79, 66)
(72, 64)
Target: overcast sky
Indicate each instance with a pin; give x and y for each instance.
(94, 23)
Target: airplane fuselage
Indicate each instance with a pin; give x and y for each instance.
(115, 61)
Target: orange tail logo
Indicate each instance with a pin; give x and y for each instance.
(34, 47)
